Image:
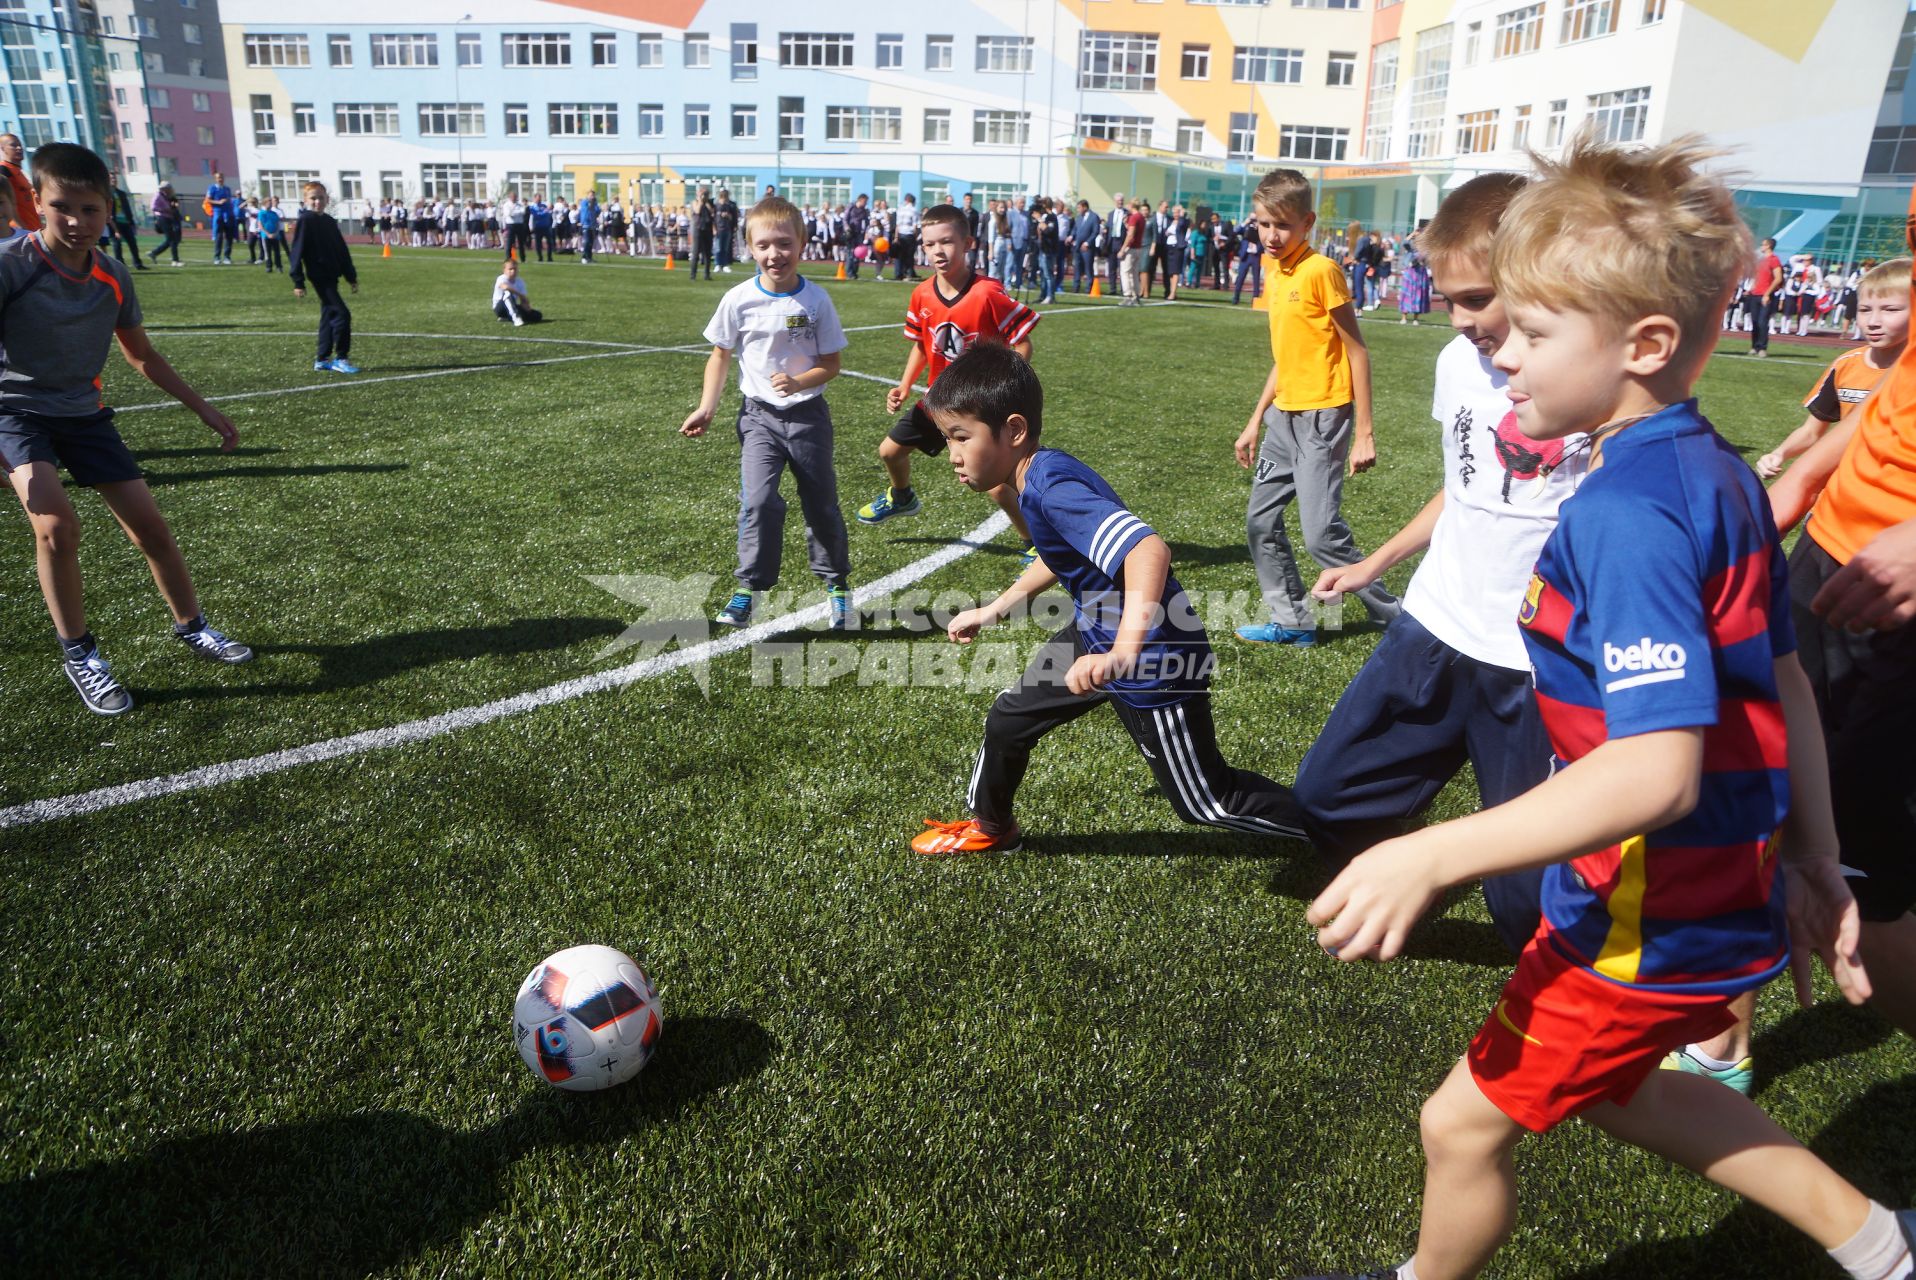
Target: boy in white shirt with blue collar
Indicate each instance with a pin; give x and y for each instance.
(787, 337)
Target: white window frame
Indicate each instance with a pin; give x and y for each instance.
(1133, 130)
(1477, 132)
(1620, 115)
(468, 49)
(941, 117)
(815, 49)
(366, 119)
(1004, 55)
(888, 52)
(997, 128)
(1517, 32)
(698, 119)
(1190, 136)
(605, 48)
(744, 120)
(696, 53)
(339, 51)
(389, 50)
(1338, 60)
(588, 119)
(864, 124)
(1241, 141)
(1267, 64)
(526, 49)
(271, 49)
(1194, 62)
(1587, 20)
(1118, 61)
(1313, 143)
(940, 53)
(265, 123)
(452, 119)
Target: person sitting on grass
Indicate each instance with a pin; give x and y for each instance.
(1692, 778)
(788, 338)
(61, 299)
(509, 300)
(320, 252)
(1134, 640)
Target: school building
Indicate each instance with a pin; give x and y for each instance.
(1388, 102)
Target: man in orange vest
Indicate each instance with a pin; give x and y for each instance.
(26, 215)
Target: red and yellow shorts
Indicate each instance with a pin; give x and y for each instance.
(1561, 1039)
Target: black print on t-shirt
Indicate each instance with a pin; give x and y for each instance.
(1466, 461)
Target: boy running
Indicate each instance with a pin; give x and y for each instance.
(1883, 301)
(1450, 681)
(320, 252)
(1315, 410)
(787, 336)
(1134, 639)
(60, 301)
(1692, 768)
(948, 314)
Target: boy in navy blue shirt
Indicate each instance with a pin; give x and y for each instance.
(1134, 639)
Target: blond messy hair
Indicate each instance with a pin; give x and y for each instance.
(1887, 277)
(1622, 234)
(1467, 220)
(777, 209)
(1284, 191)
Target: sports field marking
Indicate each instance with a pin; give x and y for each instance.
(364, 333)
(87, 802)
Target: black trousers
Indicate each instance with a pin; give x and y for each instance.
(1178, 741)
(518, 239)
(335, 321)
(275, 246)
(508, 309)
(542, 244)
(123, 235)
(702, 252)
(1761, 309)
(169, 230)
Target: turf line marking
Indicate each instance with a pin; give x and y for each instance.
(87, 802)
(364, 333)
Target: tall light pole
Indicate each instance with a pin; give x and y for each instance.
(458, 108)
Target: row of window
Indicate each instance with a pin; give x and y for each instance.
(1109, 60)
(161, 99)
(1518, 31)
(155, 63)
(149, 29)
(1622, 115)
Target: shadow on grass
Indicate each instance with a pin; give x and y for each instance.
(1196, 842)
(363, 662)
(1824, 1031)
(160, 479)
(1868, 1143)
(343, 1195)
(1460, 942)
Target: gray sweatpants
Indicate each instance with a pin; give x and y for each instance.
(1303, 457)
(771, 438)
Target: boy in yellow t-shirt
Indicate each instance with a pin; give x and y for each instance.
(1316, 412)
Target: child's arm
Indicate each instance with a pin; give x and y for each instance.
(1823, 916)
(1407, 542)
(140, 353)
(817, 376)
(1792, 497)
(717, 365)
(1625, 787)
(914, 365)
(1034, 581)
(1794, 445)
(1363, 454)
(1247, 439)
(1023, 348)
(1146, 566)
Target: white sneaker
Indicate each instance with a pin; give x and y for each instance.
(517, 323)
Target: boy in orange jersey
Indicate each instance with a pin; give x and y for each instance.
(948, 314)
(1883, 316)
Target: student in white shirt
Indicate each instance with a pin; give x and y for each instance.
(509, 298)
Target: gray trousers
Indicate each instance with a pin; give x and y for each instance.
(1303, 457)
(770, 439)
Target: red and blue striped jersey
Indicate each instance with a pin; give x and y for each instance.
(1661, 602)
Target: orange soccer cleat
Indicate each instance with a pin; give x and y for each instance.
(965, 836)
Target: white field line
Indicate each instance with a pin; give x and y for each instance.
(363, 333)
(87, 802)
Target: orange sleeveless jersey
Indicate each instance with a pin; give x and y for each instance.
(1844, 385)
(1874, 486)
(982, 311)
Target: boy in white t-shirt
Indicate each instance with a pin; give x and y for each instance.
(510, 300)
(787, 336)
(1450, 681)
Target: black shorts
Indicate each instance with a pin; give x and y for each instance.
(1866, 693)
(915, 430)
(88, 446)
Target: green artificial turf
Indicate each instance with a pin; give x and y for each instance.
(264, 1028)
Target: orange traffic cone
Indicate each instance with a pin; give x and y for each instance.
(513, 254)
(1097, 287)
(387, 252)
(841, 270)
(668, 262)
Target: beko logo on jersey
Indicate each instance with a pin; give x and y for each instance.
(1656, 662)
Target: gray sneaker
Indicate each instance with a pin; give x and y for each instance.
(209, 643)
(103, 695)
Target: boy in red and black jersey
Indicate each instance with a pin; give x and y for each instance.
(948, 315)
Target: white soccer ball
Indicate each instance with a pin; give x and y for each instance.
(587, 1018)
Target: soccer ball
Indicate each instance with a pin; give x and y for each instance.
(587, 1018)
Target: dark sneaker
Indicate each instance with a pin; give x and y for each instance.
(843, 617)
(103, 695)
(209, 643)
(737, 611)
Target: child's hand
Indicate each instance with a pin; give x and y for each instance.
(1346, 578)
(1770, 465)
(895, 397)
(1824, 922)
(696, 422)
(785, 384)
(1091, 672)
(355, 286)
(298, 292)
(1247, 444)
(964, 627)
(222, 427)
(1369, 909)
(1363, 455)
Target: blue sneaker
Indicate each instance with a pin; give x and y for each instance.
(343, 365)
(840, 599)
(322, 366)
(1271, 633)
(886, 505)
(737, 611)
